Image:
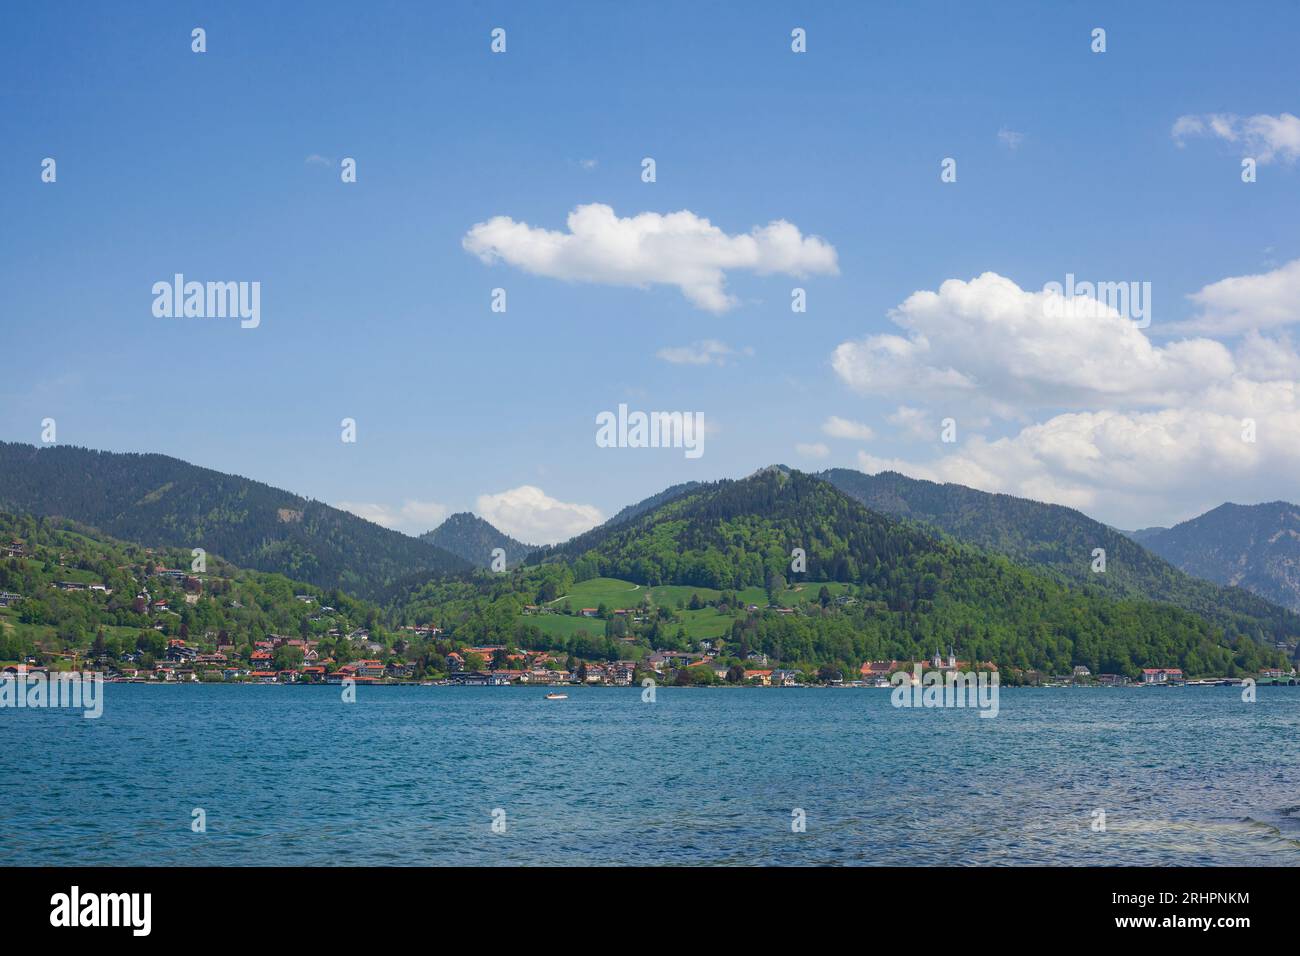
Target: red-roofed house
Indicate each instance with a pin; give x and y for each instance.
(370, 668)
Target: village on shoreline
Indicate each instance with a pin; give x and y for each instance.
(170, 643)
(498, 666)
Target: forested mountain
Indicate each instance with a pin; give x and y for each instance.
(713, 561)
(157, 500)
(589, 539)
(900, 590)
(1255, 547)
(80, 590)
(646, 504)
(736, 534)
(1060, 541)
(470, 537)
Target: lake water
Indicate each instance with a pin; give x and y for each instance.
(292, 775)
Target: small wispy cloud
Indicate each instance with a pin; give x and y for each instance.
(813, 449)
(704, 352)
(1010, 138)
(1264, 137)
(838, 427)
(588, 163)
(913, 421)
(316, 159)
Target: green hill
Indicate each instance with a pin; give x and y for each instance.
(892, 590)
(1060, 542)
(120, 615)
(471, 538)
(161, 501)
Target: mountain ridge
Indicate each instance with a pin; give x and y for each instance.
(474, 539)
(1055, 537)
(159, 500)
(1254, 547)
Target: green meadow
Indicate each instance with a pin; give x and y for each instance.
(705, 623)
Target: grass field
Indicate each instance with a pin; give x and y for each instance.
(611, 592)
(562, 625)
(77, 575)
(10, 624)
(617, 593)
(705, 623)
(801, 594)
(702, 624)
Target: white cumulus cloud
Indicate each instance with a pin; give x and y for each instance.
(988, 340)
(1130, 432)
(529, 514)
(813, 450)
(838, 427)
(413, 517)
(914, 422)
(1244, 303)
(679, 249)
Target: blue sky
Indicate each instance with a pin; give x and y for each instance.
(225, 166)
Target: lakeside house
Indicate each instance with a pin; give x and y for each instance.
(369, 668)
(1275, 674)
(875, 670)
(1162, 675)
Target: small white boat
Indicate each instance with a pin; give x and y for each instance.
(557, 696)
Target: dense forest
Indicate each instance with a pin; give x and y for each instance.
(222, 605)
(1060, 541)
(1255, 547)
(781, 564)
(470, 537)
(161, 501)
(910, 591)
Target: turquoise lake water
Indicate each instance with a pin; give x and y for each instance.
(292, 775)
